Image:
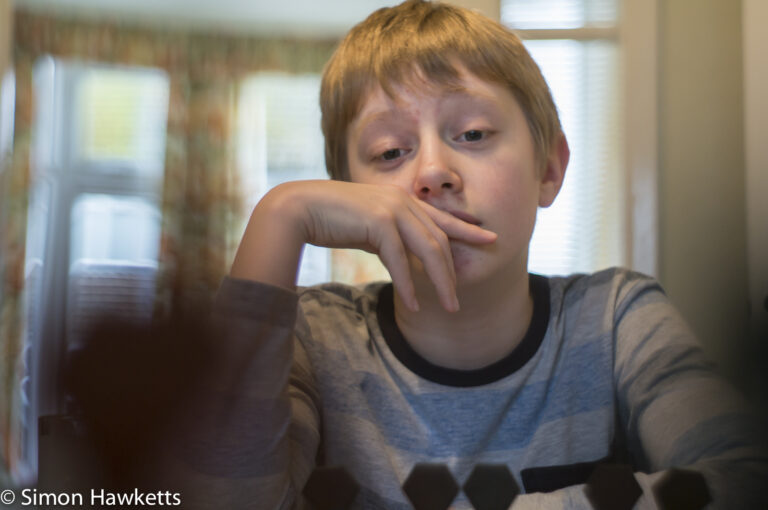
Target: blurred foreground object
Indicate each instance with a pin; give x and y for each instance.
(128, 387)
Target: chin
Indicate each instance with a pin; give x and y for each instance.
(472, 265)
(477, 265)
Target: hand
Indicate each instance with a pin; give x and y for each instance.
(380, 219)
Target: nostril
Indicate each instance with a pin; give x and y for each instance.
(447, 185)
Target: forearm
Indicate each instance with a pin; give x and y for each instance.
(235, 444)
(271, 247)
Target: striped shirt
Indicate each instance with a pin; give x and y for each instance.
(607, 370)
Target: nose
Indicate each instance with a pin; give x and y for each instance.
(435, 175)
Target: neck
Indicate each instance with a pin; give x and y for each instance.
(490, 324)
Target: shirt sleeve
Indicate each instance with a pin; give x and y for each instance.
(253, 433)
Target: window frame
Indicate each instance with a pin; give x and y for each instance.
(638, 74)
(640, 57)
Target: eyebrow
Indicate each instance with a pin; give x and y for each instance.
(455, 91)
(476, 97)
(376, 117)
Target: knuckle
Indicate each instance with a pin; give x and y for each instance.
(383, 214)
(434, 245)
(394, 248)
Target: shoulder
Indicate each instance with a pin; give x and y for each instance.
(339, 296)
(337, 309)
(614, 288)
(610, 305)
(337, 327)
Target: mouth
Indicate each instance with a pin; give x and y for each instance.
(463, 216)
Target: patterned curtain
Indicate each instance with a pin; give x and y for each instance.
(14, 186)
(201, 206)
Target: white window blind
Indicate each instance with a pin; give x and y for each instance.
(121, 118)
(279, 137)
(558, 14)
(584, 230)
(114, 228)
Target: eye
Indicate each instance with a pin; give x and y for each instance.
(390, 154)
(473, 135)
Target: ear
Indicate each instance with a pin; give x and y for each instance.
(554, 173)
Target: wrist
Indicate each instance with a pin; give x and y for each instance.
(270, 250)
(285, 207)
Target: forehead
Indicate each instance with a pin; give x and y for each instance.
(381, 102)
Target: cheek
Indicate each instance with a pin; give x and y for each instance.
(514, 194)
(382, 179)
(353, 169)
(400, 177)
(513, 185)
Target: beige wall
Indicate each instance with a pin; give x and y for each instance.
(701, 174)
(755, 37)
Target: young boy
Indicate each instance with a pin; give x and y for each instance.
(443, 140)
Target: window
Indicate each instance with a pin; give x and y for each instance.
(114, 242)
(279, 140)
(559, 14)
(93, 222)
(100, 146)
(120, 119)
(575, 44)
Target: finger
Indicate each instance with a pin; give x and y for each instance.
(435, 231)
(456, 228)
(418, 240)
(391, 251)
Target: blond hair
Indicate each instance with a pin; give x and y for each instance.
(431, 38)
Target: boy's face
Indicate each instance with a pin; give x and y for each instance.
(468, 152)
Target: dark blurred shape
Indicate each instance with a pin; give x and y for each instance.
(430, 487)
(612, 487)
(331, 488)
(66, 458)
(682, 489)
(128, 388)
(491, 487)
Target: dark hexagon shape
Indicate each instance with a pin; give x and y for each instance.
(430, 487)
(682, 489)
(331, 488)
(491, 487)
(612, 487)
